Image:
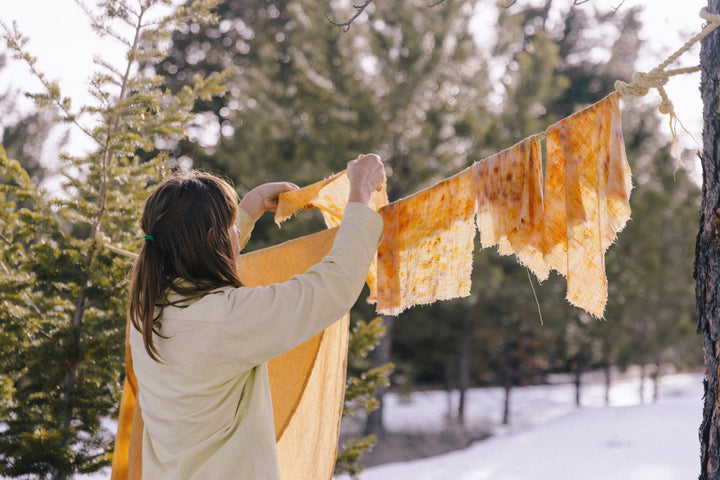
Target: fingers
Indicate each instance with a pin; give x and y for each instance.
(366, 175)
(271, 192)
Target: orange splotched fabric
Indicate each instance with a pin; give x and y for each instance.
(330, 197)
(510, 204)
(587, 190)
(426, 249)
(307, 383)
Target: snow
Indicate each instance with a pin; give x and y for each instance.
(552, 439)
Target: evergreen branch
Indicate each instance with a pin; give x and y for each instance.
(100, 27)
(346, 25)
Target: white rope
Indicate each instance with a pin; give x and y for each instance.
(657, 77)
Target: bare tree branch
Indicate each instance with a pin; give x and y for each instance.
(359, 10)
(506, 4)
(579, 2)
(618, 7)
(436, 3)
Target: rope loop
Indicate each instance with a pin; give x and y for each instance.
(657, 77)
(713, 18)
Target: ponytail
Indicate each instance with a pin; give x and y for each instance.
(188, 248)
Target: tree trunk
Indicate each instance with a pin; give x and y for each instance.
(643, 375)
(464, 368)
(578, 378)
(506, 406)
(381, 356)
(608, 383)
(656, 382)
(707, 252)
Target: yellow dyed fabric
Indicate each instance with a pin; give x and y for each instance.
(330, 197)
(426, 249)
(307, 383)
(510, 204)
(127, 455)
(587, 191)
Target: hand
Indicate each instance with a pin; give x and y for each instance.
(366, 175)
(264, 198)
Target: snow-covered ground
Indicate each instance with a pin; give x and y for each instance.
(551, 439)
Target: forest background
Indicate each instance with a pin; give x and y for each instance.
(273, 91)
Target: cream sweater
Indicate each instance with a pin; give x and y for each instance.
(207, 408)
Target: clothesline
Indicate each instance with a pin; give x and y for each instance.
(564, 223)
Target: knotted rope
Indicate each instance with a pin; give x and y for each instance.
(657, 77)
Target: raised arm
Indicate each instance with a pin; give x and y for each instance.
(267, 321)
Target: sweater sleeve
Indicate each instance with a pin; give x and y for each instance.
(245, 224)
(263, 322)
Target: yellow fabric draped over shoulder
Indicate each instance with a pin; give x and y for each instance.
(307, 383)
(587, 191)
(510, 204)
(330, 197)
(426, 249)
(127, 455)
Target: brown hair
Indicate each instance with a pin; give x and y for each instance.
(188, 247)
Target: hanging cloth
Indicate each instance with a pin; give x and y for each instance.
(330, 197)
(587, 191)
(510, 204)
(426, 249)
(307, 383)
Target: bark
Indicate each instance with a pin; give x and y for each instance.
(579, 367)
(608, 383)
(506, 406)
(464, 370)
(707, 253)
(643, 376)
(656, 382)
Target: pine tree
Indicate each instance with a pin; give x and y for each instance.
(707, 253)
(63, 284)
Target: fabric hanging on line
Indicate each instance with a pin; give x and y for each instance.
(330, 197)
(426, 249)
(568, 228)
(307, 383)
(587, 191)
(510, 204)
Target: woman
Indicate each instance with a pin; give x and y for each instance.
(201, 341)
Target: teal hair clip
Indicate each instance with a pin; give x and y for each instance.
(149, 237)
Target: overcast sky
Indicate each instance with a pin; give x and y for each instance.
(61, 38)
